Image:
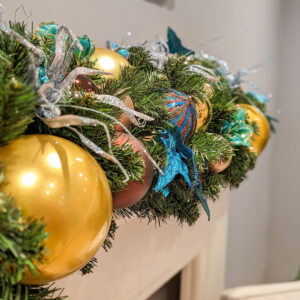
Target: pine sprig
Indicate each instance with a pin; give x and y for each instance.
(21, 244)
(30, 292)
(89, 267)
(242, 161)
(17, 102)
(110, 235)
(17, 99)
(204, 142)
(21, 241)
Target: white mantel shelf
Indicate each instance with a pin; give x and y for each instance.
(145, 256)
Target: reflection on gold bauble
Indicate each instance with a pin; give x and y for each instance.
(209, 90)
(109, 61)
(202, 109)
(258, 141)
(124, 119)
(54, 179)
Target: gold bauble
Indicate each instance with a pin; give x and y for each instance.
(109, 61)
(258, 141)
(54, 179)
(202, 109)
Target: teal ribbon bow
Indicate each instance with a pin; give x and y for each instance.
(238, 132)
(259, 97)
(175, 45)
(122, 51)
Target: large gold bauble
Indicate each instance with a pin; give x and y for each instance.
(54, 179)
(258, 141)
(109, 61)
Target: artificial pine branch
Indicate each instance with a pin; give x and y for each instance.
(242, 161)
(30, 292)
(110, 235)
(89, 267)
(17, 99)
(17, 102)
(21, 244)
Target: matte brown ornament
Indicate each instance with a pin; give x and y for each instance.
(82, 82)
(134, 191)
(219, 166)
(124, 119)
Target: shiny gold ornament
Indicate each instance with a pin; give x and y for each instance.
(258, 141)
(203, 113)
(204, 109)
(109, 61)
(54, 179)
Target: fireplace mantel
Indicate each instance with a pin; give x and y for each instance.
(145, 256)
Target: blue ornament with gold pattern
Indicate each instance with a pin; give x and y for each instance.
(184, 114)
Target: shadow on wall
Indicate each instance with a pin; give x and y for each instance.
(169, 4)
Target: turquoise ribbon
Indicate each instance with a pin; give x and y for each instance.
(202, 200)
(122, 51)
(43, 76)
(88, 47)
(259, 97)
(175, 45)
(48, 30)
(177, 154)
(237, 131)
(175, 164)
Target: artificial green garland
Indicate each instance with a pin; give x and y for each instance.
(145, 84)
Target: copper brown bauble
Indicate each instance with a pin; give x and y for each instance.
(220, 166)
(84, 83)
(124, 119)
(134, 191)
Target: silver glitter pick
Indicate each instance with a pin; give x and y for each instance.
(207, 73)
(114, 101)
(122, 125)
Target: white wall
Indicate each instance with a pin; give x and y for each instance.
(249, 30)
(284, 230)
